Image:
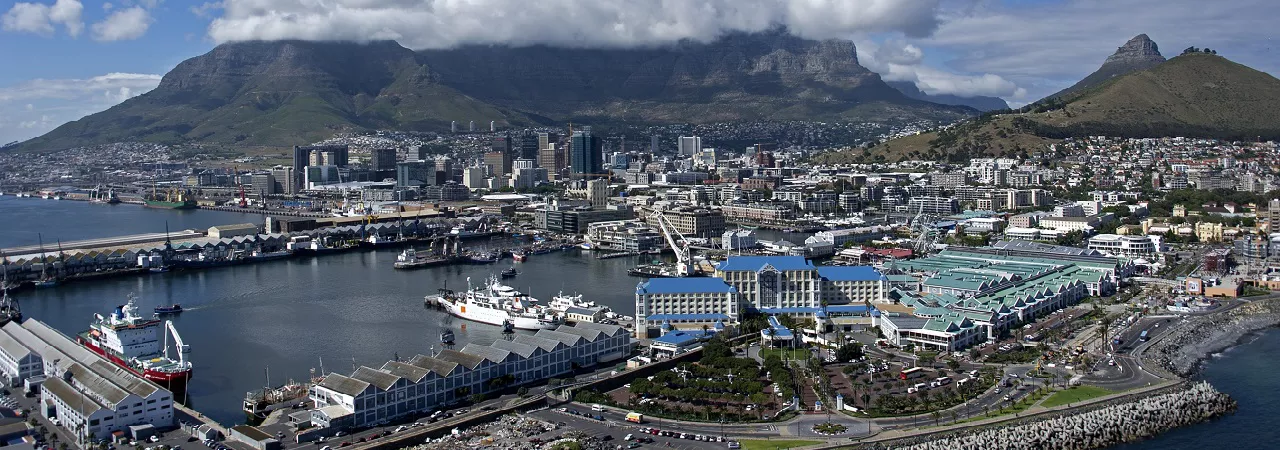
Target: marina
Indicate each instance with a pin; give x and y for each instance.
(301, 316)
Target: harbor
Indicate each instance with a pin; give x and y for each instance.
(331, 313)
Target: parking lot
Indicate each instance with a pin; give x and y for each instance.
(645, 435)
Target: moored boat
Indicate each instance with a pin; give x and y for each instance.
(497, 304)
(147, 354)
(519, 256)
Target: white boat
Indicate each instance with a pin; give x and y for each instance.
(496, 304)
(561, 302)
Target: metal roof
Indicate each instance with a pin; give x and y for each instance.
(10, 345)
(607, 329)
(438, 366)
(850, 273)
(546, 344)
(524, 350)
(343, 384)
(565, 338)
(71, 397)
(683, 285)
(494, 354)
(405, 370)
(463, 359)
(377, 378)
(755, 263)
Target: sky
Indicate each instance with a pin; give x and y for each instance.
(64, 59)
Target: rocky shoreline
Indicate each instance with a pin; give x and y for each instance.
(1126, 421)
(1182, 348)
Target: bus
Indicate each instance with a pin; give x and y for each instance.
(913, 372)
(635, 417)
(1143, 337)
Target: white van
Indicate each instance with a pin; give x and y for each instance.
(597, 407)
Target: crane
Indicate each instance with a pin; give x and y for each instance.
(684, 266)
(183, 349)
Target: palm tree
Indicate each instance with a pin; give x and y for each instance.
(1105, 325)
(935, 416)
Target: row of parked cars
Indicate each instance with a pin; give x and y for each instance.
(677, 434)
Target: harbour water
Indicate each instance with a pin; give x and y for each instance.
(70, 220)
(1247, 374)
(289, 315)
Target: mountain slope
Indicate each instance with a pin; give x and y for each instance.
(279, 94)
(1139, 53)
(290, 92)
(1192, 95)
(980, 102)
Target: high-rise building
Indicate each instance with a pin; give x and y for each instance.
(382, 159)
(415, 173)
(553, 159)
(474, 177)
(321, 175)
(500, 162)
(286, 180)
(598, 193)
(586, 153)
(529, 146)
(653, 144)
(472, 126)
(335, 155)
(493, 126)
(264, 184)
(545, 139)
(501, 144)
(690, 145)
(453, 126)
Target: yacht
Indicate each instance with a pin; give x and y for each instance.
(496, 304)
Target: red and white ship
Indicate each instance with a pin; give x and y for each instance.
(140, 345)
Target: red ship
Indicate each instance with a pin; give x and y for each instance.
(146, 353)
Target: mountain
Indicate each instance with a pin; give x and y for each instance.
(1139, 53)
(279, 94)
(284, 93)
(978, 102)
(1192, 95)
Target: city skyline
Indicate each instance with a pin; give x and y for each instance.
(1018, 51)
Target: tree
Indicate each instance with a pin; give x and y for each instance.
(523, 391)
(953, 364)
(849, 352)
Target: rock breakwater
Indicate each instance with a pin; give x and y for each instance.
(1105, 426)
(1183, 347)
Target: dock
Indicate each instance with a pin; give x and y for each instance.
(101, 243)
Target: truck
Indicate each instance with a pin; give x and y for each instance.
(635, 417)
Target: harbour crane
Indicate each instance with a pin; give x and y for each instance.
(684, 264)
(183, 349)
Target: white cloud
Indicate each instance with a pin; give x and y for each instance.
(106, 6)
(36, 106)
(40, 18)
(439, 24)
(123, 25)
(899, 61)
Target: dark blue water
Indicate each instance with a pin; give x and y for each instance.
(290, 315)
(1248, 374)
(22, 218)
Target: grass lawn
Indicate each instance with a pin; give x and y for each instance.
(785, 354)
(756, 444)
(1073, 395)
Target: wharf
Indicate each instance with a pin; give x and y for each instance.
(196, 416)
(111, 242)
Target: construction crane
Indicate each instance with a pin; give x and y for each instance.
(244, 202)
(183, 349)
(684, 264)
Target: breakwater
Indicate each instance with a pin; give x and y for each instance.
(1182, 348)
(1103, 426)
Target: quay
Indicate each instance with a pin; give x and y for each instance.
(106, 243)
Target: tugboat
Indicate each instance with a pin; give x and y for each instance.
(173, 309)
(446, 337)
(509, 272)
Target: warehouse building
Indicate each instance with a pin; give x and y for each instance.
(425, 383)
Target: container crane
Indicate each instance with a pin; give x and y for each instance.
(684, 264)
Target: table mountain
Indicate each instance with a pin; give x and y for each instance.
(978, 102)
(283, 93)
(1139, 53)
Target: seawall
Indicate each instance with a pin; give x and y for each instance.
(1182, 348)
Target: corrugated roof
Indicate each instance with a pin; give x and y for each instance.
(524, 350)
(438, 366)
(547, 345)
(850, 273)
(71, 397)
(607, 329)
(754, 263)
(683, 285)
(343, 384)
(375, 377)
(463, 359)
(566, 338)
(10, 345)
(493, 354)
(405, 370)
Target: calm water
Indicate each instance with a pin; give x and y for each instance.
(1247, 373)
(344, 309)
(22, 218)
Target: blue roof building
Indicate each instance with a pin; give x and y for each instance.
(756, 263)
(671, 304)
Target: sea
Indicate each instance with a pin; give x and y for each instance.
(267, 323)
(250, 326)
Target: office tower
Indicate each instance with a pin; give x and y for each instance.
(264, 184)
(499, 161)
(545, 139)
(472, 126)
(382, 159)
(528, 146)
(689, 145)
(285, 179)
(414, 173)
(653, 144)
(501, 144)
(553, 159)
(586, 150)
(453, 126)
(493, 126)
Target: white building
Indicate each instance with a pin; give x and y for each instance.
(17, 361)
(947, 333)
(474, 177)
(684, 303)
(1128, 246)
(838, 238)
(90, 396)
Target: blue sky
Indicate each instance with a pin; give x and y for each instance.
(64, 59)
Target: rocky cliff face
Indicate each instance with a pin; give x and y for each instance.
(1139, 53)
(286, 92)
(979, 102)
